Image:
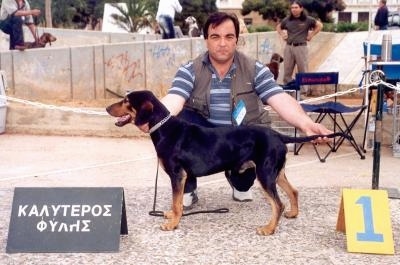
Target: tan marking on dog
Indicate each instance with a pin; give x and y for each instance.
(175, 214)
(246, 165)
(292, 194)
(269, 229)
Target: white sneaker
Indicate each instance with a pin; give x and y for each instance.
(242, 196)
(190, 199)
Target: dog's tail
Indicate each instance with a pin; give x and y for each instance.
(289, 139)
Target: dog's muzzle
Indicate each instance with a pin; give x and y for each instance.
(123, 120)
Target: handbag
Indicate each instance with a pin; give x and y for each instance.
(6, 25)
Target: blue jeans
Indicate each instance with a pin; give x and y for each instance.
(241, 182)
(14, 29)
(167, 27)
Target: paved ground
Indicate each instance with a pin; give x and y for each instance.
(230, 238)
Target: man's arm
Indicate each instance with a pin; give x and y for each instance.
(317, 28)
(281, 32)
(291, 111)
(177, 6)
(174, 103)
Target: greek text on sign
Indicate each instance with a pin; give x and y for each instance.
(66, 220)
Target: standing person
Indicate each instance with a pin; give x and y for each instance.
(19, 13)
(296, 29)
(166, 15)
(210, 88)
(381, 20)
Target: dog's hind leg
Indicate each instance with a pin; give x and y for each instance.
(271, 194)
(174, 215)
(291, 192)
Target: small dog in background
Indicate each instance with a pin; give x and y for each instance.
(42, 42)
(193, 27)
(274, 64)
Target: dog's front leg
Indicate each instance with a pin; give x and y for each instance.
(174, 215)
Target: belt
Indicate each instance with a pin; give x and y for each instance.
(297, 44)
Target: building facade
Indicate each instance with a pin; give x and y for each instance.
(356, 10)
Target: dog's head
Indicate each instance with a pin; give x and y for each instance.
(190, 20)
(137, 107)
(276, 57)
(47, 38)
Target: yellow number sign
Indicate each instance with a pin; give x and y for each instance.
(365, 218)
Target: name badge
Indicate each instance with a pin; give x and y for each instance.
(239, 112)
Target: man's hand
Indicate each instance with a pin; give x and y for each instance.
(317, 128)
(35, 12)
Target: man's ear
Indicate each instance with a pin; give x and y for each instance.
(144, 113)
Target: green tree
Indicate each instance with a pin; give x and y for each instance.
(79, 13)
(268, 9)
(278, 9)
(63, 12)
(196, 8)
(139, 14)
(142, 13)
(323, 9)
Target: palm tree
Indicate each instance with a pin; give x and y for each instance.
(137, 15)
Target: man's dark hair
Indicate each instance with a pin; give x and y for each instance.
(303, 15)
(217, 18)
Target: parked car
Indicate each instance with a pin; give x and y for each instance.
(394, 19)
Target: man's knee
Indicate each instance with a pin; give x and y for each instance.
(242, 181)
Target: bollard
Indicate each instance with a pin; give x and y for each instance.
(3, 102)
(386, 52)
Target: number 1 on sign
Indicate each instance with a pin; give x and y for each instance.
(365, 218)
(369, 234)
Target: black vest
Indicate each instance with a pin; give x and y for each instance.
(242, 89)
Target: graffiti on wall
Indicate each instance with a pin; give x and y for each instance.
(164, 53)
(266, 47)
(122, 64)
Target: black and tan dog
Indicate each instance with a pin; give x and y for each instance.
(187, 150)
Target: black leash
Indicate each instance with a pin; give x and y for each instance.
(154, 212)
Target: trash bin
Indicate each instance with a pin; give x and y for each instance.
(3, 102)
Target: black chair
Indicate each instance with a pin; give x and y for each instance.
(333, 111)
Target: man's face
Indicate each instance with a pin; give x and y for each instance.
(221, 42)
(296, 10)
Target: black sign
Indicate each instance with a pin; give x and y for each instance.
(67, 220)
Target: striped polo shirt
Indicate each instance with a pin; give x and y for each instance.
(220, 90)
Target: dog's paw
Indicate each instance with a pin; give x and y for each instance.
(291, 214)
(169, 226)
(265, 230)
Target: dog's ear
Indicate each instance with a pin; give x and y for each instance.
(144, 113)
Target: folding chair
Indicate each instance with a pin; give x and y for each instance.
(332, 111)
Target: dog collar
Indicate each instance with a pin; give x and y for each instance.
(158, 125)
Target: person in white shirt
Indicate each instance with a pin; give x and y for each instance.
(166, 15)
(18, 12)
